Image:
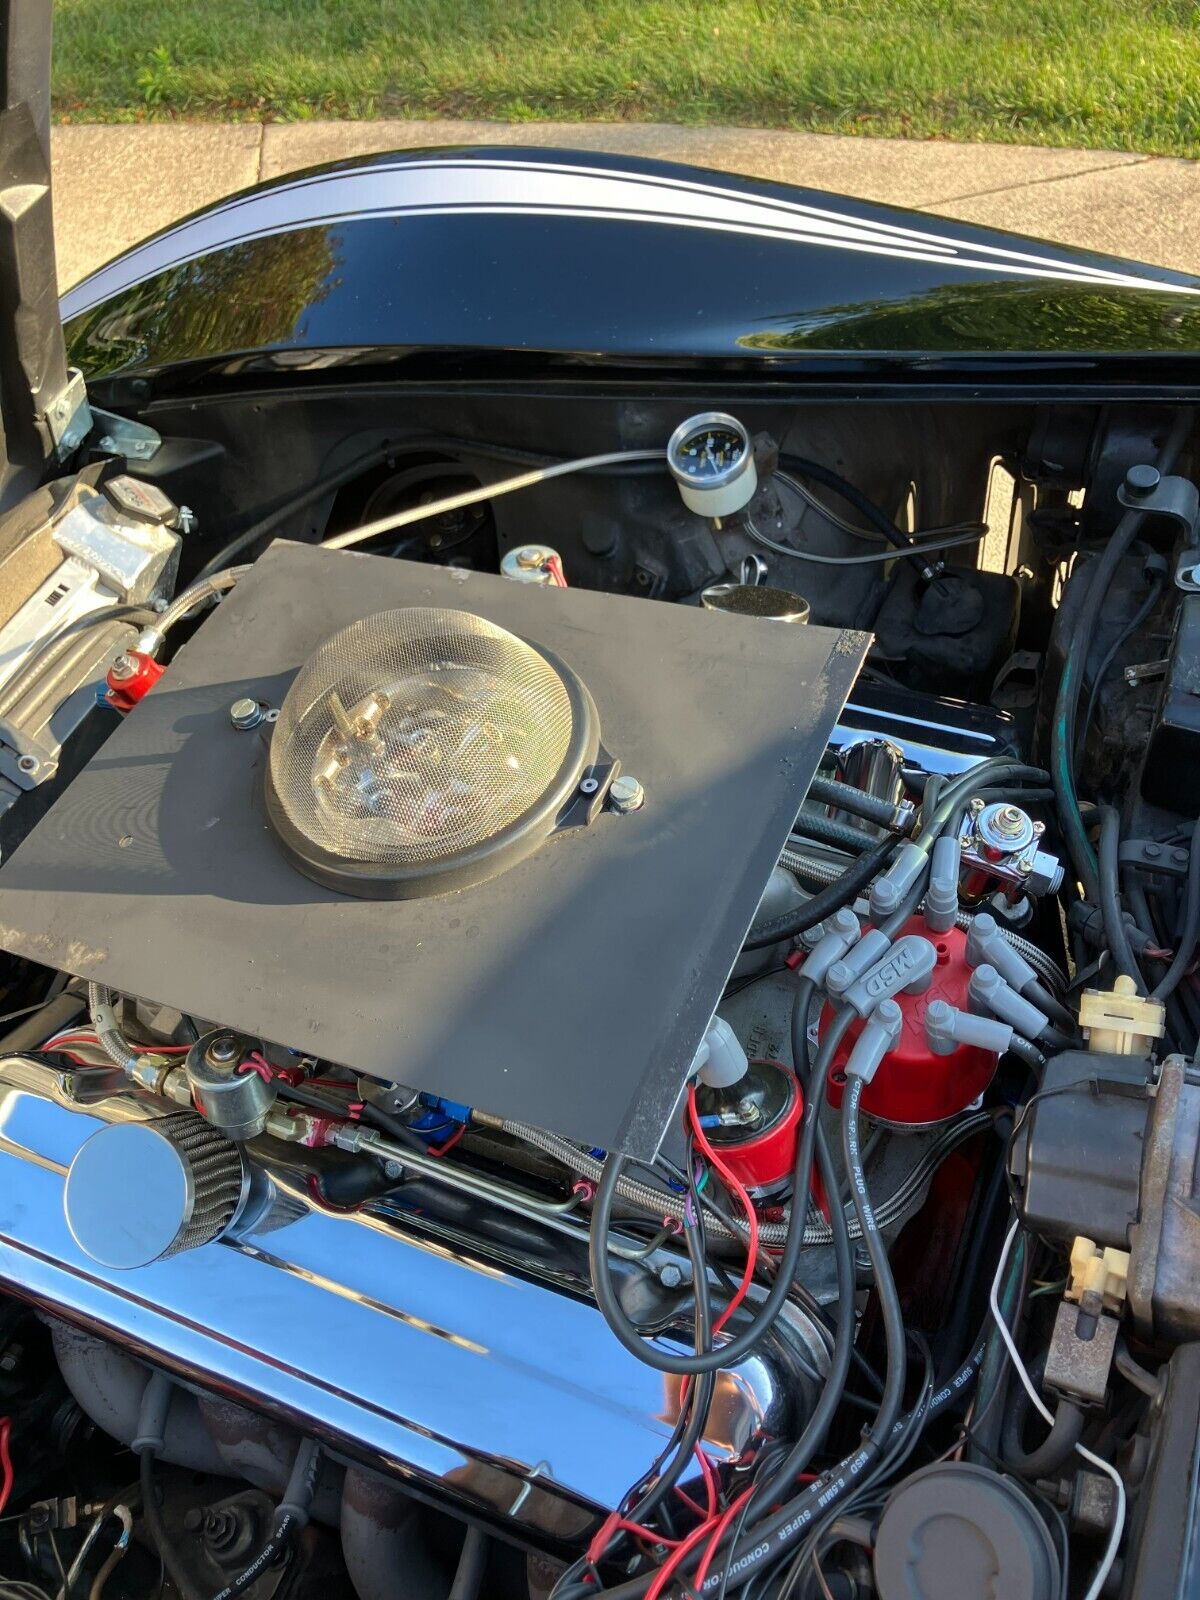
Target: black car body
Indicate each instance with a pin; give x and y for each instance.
(373, 1218)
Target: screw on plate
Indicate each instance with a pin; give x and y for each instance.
(626, 794)
(245, 713)
(27, 764)
(976, 805)
(589, 785)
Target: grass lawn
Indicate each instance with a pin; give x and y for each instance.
(1122, 74)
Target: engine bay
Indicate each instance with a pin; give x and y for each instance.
(601, 999)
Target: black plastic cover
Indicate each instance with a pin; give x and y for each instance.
(572, 990)
(1078, 1158)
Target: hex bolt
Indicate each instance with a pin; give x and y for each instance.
(392, 1169)
(670, 1276)
(529, 558)
(626, 794)
(223, 1049)
(125, 666)
(245, 714)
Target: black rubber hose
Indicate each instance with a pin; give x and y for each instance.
(885, 1284)
(828, 792)
(825, 902)
(801, 467)
(1070, 684)
(1109, 888)
(1185, 945)
(828, 830)
(744, 1342)
(1054, 1450)
(468, 1578)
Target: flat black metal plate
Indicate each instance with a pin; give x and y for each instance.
(572, 990)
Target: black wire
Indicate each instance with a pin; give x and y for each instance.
(158, 1533)
(885, 1284)
(745, 1341)
(737, 985)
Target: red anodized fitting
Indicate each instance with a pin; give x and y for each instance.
(130, 678)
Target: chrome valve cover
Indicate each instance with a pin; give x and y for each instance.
(401, 1351)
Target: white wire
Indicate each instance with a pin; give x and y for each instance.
(1114, 1538)
(487, 491)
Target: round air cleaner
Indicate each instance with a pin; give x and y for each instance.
(422, 750)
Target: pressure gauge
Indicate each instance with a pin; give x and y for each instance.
(712, 460)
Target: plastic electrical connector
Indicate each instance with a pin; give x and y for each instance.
(891, 887)
(858, 960)
(1098, 1270)
(841, 931)
(879, 1035)
(946, 1027)
(988, 990)
(987, 946)
(941, 894)
(907, 969)
(1119, 1021)
(719, 1060)
(867, 953)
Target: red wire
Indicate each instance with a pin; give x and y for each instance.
(735, 1188)
(723, 1524)
(677, 1557)
(6, 1466)
(440, 1149)
(90, 1038)
(708, 1473)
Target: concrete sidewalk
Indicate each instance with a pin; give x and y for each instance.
(115, 185)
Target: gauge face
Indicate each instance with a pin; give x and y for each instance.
(712, 460)
(709, 454)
